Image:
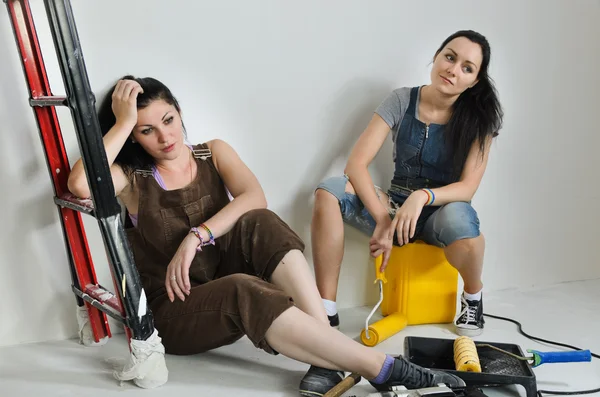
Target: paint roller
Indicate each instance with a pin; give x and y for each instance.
(379, 331)
(466, 357)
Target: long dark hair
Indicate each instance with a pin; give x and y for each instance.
(477, 113)
(132, 156)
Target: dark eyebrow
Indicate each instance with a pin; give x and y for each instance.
(150, 125)
(467, 61)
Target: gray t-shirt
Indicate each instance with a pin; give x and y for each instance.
(392, 111)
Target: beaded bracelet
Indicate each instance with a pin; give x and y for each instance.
(197, 234)
(431, 196)
(211, 238)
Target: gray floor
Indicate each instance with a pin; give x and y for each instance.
(567, 312)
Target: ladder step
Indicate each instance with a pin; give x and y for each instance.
(104, 296)
(75, 203)
(49, 101)
(103, 300)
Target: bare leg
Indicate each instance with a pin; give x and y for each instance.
(467, 257)
(327, 238)
(293, 276)
(297, 335)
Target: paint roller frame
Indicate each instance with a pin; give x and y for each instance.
(390, 325)
(437, 353)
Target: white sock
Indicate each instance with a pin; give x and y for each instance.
(472, 297)
(330, 307)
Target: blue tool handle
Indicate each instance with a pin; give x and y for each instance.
(560, 357)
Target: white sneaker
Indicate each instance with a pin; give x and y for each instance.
(146, 366)
(470, 321)
(86, 336)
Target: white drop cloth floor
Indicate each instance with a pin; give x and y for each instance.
(567, 312)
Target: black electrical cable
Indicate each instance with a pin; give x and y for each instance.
(553, 392)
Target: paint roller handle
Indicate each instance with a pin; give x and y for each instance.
(379, 275)
(540, 358)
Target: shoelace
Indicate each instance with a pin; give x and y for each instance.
(418, 376)
(470, 312)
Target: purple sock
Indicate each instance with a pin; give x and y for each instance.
(384, 374)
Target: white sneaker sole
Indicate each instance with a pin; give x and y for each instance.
(468, 331)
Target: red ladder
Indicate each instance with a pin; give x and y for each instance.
(128, 304)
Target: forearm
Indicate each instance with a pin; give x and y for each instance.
(224, 220)
(113, 143)
(458, 191)
(363, 185)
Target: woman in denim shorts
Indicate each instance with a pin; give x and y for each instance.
(441, 134)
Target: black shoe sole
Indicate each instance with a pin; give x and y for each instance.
(307, 393)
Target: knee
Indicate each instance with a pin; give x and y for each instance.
(324, 198)
(333, 189)
(257, 216)
(267, 228)
(469, 244)
(457, 221)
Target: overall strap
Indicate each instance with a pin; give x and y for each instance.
(201, 151)
(412, 105)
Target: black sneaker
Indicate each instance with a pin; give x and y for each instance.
(334, 320)
(412, 376)
(319, 381)
(470, 320)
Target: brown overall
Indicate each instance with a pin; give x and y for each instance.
(231, 295)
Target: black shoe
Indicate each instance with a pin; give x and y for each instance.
(319, 381)
(413, 376)
(334, 320)
(470, 320)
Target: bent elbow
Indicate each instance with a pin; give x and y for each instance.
(78, 187)
(349, 169)
(469, 194)
(262, 202)
(355, 165)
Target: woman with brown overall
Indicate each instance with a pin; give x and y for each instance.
(214, 268)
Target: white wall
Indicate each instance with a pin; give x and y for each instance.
(291, 86)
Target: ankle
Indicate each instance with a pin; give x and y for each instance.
(385, 371)
(473, 296)
(473, 288)
(371, 367)
(330, 307)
